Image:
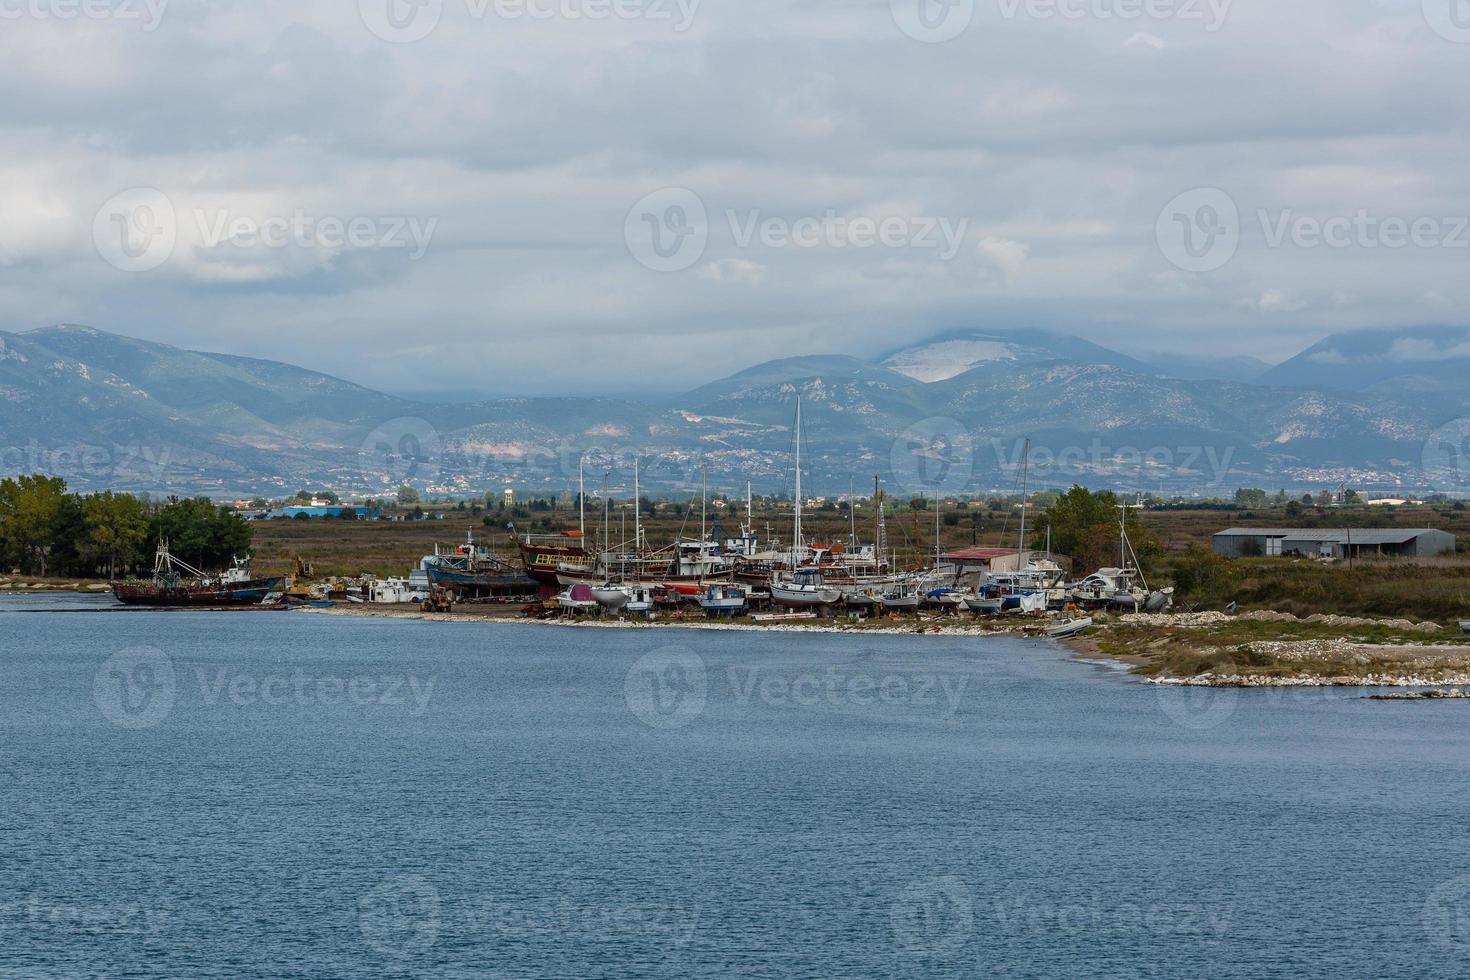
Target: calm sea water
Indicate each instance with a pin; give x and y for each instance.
(285, 794)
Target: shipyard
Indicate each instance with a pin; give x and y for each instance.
(1348, 600)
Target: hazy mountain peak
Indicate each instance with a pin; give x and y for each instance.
(953, 354)
(1363, 359)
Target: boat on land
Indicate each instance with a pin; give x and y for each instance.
(1068, 627)
(578, 599)
(687, 568)
(640, 601)
(612, 597)
(944, 597)
(804, 590)
(904, 597)
(985, 605)
(471, 571)
(724, 601)
(177, 583)
(1121, 587)
(544, 556)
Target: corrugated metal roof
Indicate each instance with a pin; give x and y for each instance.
(1360, 535)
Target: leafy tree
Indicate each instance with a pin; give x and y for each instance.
(116, 530)
(201, 533)
(1251, 499)
(1084, 525)
(407, 495)
(30, 507)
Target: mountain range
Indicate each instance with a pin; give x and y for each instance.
(944, 416)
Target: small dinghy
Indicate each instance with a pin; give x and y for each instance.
(1068, 627)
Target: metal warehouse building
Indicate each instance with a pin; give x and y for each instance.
(1243, 542)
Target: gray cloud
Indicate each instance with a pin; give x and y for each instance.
(1058, 140)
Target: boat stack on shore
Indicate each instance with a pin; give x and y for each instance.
(723, 577)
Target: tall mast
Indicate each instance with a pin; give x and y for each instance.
(604, 517)
(703, 501)
(637, 510)
(851, 514)
(1025, 462)
(880, 532)
(749, 528)
(1122, 535)
(796, 530)
(937, 505)
(582, 499)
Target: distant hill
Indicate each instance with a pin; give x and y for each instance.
(1370, 359)
(950, 354)
(943, 416)
(1192, 368)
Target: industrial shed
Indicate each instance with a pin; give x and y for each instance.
(1245, 542)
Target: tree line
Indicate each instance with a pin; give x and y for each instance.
(46, 531)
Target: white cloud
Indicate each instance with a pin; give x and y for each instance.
(742, 271)
(1277, 301)
(1008, 256)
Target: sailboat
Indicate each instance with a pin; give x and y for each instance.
(1123, 587)
(806, 588)
(1024, 589)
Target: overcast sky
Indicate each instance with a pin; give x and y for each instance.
(601, 195)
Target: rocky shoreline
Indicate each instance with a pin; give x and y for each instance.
(27, 587)
(1275, 650)
(938, 626)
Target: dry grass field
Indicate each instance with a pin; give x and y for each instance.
(393, 547)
